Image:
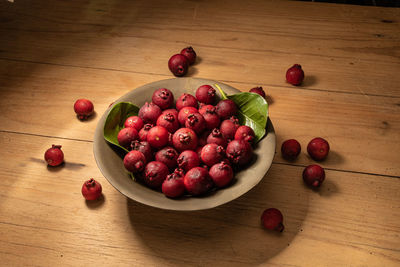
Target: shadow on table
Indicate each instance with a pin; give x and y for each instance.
(229, 234)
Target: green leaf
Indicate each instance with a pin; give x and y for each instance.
(252, 111)
(115, 121)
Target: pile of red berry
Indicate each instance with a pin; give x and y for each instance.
(189, 149)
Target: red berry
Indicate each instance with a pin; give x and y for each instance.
(207, 108)
(290, 149)
(258, 90)
(295, 75)
(212, 119)
(184, 113)
(228, 127)
(212, 154)
(205, 94)
(135, 122)
(190, 54)
(155, 173)
(149, 112)
(126, 136)
(185, 139)
(272, 219)
(144, 131)
(169, 121)
(245, 133)
(313, 175)
(216, 137)
(178, 64)
(163, 98)
(144, 147)
(157, 137)
(221, 173)
(83, 108)
(195, 122)
(134, 161)
(188, 159)
(91, 189)
(54, 155)
(197, 181)
(186, 100)
(173, 185)
(172, 111)
(318, 148)
(226, 108)
(168, 156)
(239, 152)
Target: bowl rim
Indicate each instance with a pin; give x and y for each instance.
(99, 141)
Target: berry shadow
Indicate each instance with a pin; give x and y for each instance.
(198, 61)
(95, 204)
(90, 118)
(309, 80)
(328, 188)
(270, 99)
(192, 71)
(225, 235)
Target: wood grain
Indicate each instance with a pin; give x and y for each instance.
(296, 113)
(49, 223)
(54, 52)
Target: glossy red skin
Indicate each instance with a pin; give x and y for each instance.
(258, 90)
(295, 75)
(144, 147)
(185, 139)
(173, 186)
(221, 174)
(212, 154)
(207, 108)
(178, 64)
(126, 136)
(83, 108)
(228, 128)
(318, 149)
(135, 122)
(163, 98)
(184, 113)
(143, 132)
(155, 173)
(190, 54)
(168, 156)
(186, 100)
(157, 137)
(196, 122)
(206, 94)
(188, 159)
(197, 181)
(245, 133)
(272, 219)
(149, 113)
(169, 121)
(239, 152)
(313, 175)
(290, 149)
(54, 156)
(212, 120)
(91, 189)
(134, 161)
(171, 110)
(226, 108)
(216, 137)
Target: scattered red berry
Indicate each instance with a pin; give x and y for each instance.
(272, 219)
(290, 149)
(178, 64)
(318, 148)
(313, 175)
(258, 90)
(91, 189)
(54, 155)
(190, 54)
(295, 75)
(83, 108)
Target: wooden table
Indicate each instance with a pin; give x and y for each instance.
(54, 52)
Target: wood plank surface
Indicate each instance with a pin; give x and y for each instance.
(48, 222)
(54, 52)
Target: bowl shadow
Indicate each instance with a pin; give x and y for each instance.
(229, 234)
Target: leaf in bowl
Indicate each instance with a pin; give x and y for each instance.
(252, 111)
(115, 121)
